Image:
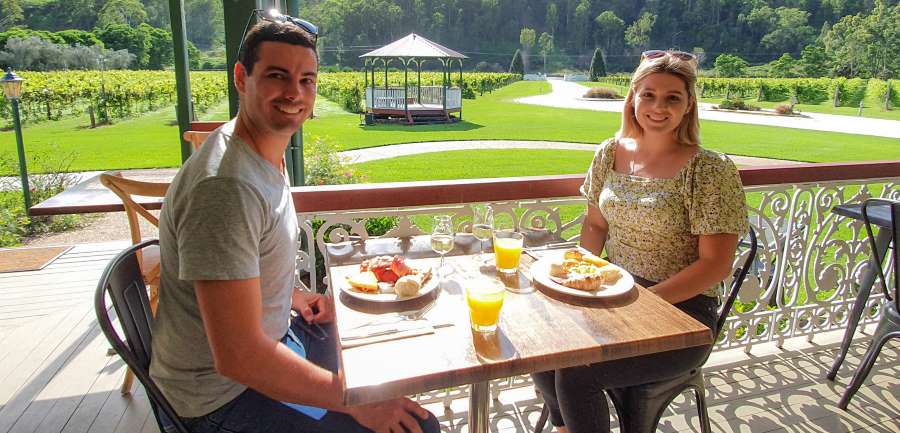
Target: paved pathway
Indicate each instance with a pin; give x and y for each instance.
(568, 95)
(384, 152)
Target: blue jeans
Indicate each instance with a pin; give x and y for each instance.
(252, 412)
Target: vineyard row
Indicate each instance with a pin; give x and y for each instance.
(842, 92)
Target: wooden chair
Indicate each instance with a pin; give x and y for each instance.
(148, 259)
(199, 131)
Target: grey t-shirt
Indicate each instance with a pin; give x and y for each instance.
(228, 215)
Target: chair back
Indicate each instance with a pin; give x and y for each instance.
(125, 189)
(123, 283)
(738, 280)
(893, 208)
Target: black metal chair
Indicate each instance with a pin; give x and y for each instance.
(123, 282)
(889, 323)
(639, 408)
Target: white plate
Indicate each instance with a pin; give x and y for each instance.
(386, 294)
(540, 271)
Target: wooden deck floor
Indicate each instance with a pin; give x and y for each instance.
(55, 375)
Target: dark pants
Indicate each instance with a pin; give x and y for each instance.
(252, 412)
(575, 395)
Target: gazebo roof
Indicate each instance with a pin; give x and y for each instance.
(414, 45)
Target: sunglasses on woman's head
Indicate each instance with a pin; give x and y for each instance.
(277, 17)
(655, 54)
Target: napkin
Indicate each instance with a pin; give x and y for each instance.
(387, 331)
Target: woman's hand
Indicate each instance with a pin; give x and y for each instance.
(716, 257)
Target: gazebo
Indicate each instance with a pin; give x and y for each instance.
(418, 104)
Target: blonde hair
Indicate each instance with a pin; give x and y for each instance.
(688, 132)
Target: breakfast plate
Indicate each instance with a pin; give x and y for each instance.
(540, 271)
(390, 279)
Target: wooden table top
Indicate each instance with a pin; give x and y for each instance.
(89, 196)
(536, 332)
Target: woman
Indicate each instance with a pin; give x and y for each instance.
(669, 212)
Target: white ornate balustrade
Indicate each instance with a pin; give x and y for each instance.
(807, 268)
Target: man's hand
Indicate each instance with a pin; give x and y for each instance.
(313, 307)
(392, 416)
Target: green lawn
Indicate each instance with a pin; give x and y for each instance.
(462, 164)
(151, 139)
(826, 107)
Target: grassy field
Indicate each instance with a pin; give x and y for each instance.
(151, 140)
(826, 107)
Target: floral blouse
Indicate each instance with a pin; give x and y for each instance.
(654, 224)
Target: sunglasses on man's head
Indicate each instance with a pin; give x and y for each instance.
(277, 17)
(655, 54)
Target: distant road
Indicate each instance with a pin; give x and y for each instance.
(568, 95)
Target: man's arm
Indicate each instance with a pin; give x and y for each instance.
(232, 313)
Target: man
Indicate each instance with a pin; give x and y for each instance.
(223, 351)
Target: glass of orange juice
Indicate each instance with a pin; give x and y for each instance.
(485, 297)
(508, 250)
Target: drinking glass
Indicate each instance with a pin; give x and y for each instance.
(442, 238)
(482, 226)
(507, 250)
(485, 298)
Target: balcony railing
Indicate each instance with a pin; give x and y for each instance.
(397, 98)
(809, 261)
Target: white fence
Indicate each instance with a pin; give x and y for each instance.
(807, 268)
(397, 98)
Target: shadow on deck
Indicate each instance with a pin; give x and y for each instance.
(55, 375)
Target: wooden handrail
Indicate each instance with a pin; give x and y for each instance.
(206, 125)
(328, 198)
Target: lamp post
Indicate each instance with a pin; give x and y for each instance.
(12, 89)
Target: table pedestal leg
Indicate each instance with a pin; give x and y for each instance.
(862, 298)
(479, 406)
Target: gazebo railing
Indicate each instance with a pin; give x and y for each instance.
(398, 99)
(807, 268)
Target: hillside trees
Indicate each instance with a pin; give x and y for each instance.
(729, 65)
(204, 22)
(866, 45)
(128, 12)
(637, 34)
(610, 28)
(11, 13)
(526, 39)
(546, 46)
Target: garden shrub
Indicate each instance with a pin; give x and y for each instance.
(736, 104)
(784, 109)
(598, 66)
(602, 93)
(324, 166)
(15, 224)
(517, 65)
